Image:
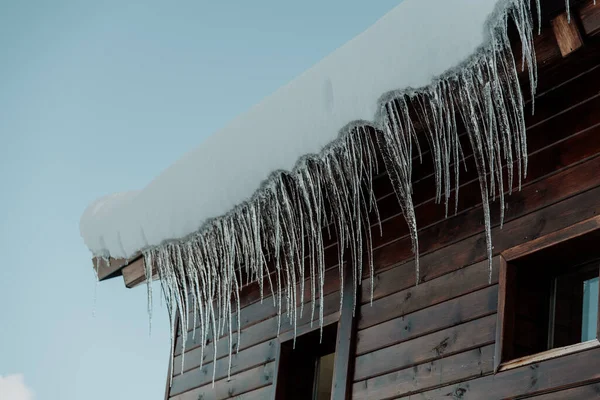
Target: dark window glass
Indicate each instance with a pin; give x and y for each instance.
(552, 298)
(306, 368)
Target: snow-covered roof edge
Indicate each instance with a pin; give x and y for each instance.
(483, 90)
(305, 117)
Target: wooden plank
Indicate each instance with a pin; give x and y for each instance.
(551, 375)
(505, 323)
(470, 364)
(589, 13)
(570, 232)
(108, 270)
(578, 393)
(257, 311)
(134, 274)
(239, 385)
(261, 332)
(435, 291)
(440, 344)
(245, 359)
(169, 371)
(343, 367)
(560, 94)
(567, 34)
(444, 230)
(288, 335)
(402, 276)
(549, 354)
(575, 95)
(521, 225)
(441, 316)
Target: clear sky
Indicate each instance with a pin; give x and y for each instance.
(98, 97)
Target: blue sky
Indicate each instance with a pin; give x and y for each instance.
(100, 97)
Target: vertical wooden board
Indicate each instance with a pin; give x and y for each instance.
(504, 323)
(470, 364)
(441, 316)
(440, 344)
(343, 367)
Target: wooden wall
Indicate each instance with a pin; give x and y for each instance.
(436, 340)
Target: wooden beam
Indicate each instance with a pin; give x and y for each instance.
(343, 367)
(106, 270)
(589, 13)
(135, 273)
(570, 232)
(567, 34)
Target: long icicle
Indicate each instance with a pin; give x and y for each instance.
(280, 230)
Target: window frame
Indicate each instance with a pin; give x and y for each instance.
(505, 297)
(345, 344)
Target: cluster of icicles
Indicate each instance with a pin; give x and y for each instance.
(282, 228)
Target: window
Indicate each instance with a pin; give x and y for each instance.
(549, 298)
(306, 370)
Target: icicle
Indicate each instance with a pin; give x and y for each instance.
(539, 15)
(282, 226)
(568, 6)
(148, 272)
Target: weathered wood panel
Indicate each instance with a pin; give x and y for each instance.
(239, 384)
(452, 312)
(560, 372)
(454, 340)
(245, 359)
(254, 334)
(437, 339)
(444, 288)
(470, 364)
(578, 393)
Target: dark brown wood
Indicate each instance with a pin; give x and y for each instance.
(589, 13)
(281, 369)
(441, 316)
(506, 308)
(343, 368)
(554, 238)
(245, 359)
(170, 370)
(440, 344)
(254, 334)
(464, 229)
(567, 34)
(392, 302)
(108, 270)
(254, 311)
(134, 274)
(554, 374)
(243, 382)
(462, 366)
(437, 358)
(577, 393)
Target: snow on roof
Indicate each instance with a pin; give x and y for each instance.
(410, 46)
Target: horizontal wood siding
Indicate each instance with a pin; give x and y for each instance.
(437, 339)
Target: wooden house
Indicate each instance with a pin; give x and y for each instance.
(525, 327)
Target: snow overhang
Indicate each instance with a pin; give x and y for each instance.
(402, 50)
